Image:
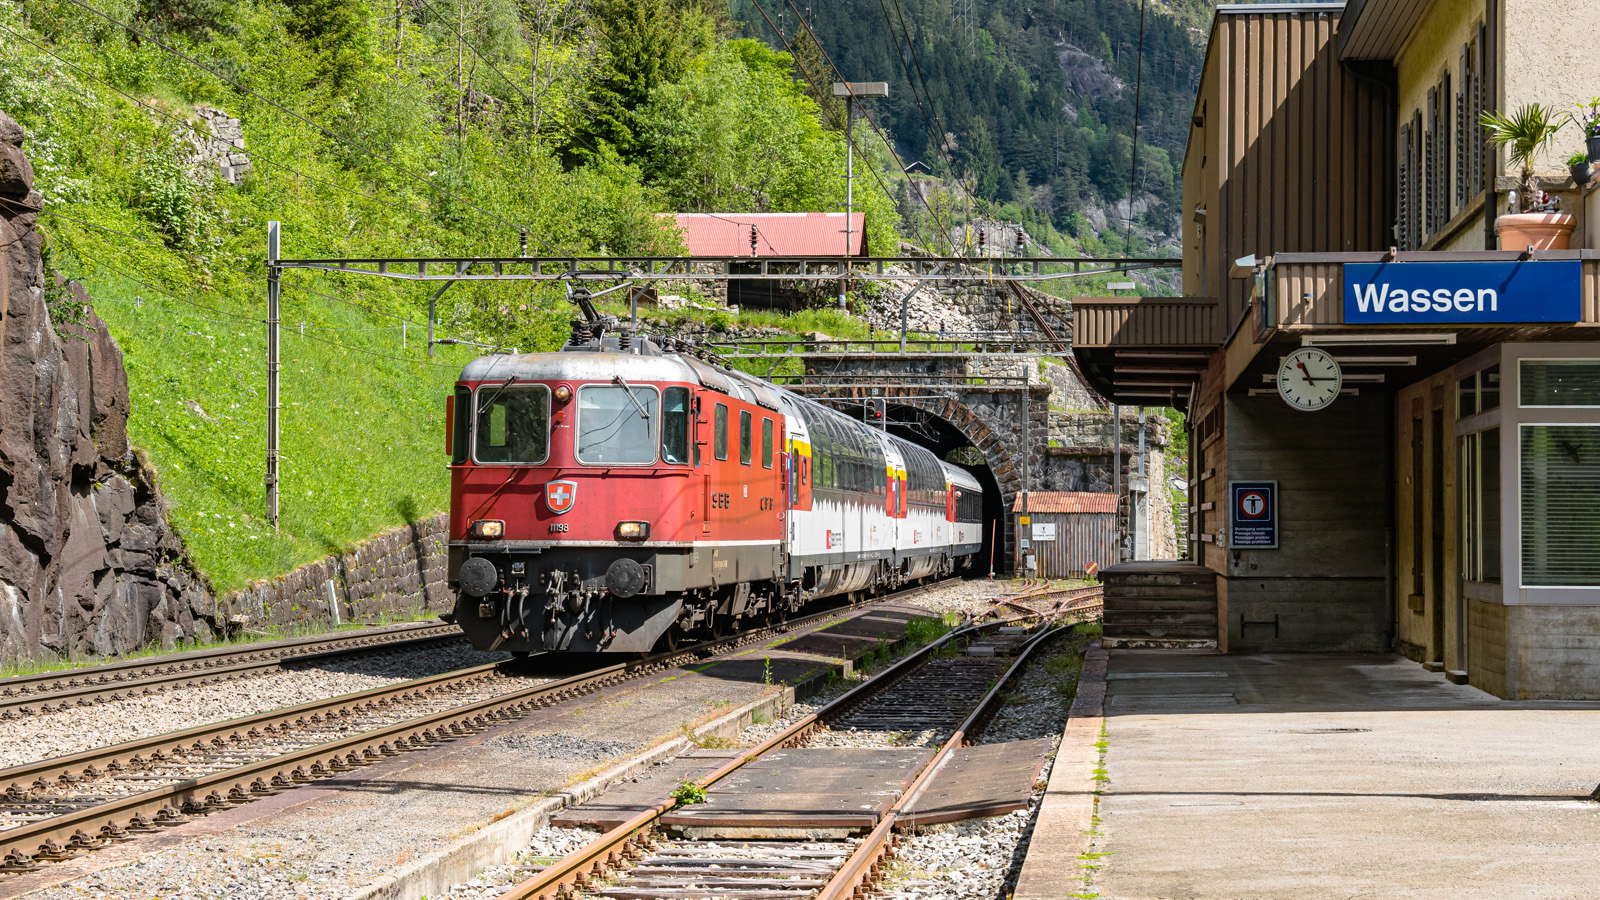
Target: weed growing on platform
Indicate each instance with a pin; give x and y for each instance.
(688, 793)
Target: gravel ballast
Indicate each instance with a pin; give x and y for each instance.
(373, 822)
(47, 735)
(976, 859)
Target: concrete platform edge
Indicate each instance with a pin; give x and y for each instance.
(1061, 832)
(498, 841)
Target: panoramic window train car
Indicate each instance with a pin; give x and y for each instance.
(611, 497)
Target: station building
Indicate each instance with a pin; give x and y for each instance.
(1394, 423)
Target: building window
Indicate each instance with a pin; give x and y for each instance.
(1560, 505)
(1478, 392)
(1559, 382)
(1480, 506)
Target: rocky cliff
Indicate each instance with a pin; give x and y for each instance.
(88, 562)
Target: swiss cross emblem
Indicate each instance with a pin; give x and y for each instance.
(560, 496)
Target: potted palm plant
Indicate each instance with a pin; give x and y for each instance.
(1525, 134)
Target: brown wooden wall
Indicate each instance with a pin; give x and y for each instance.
(1146, 321)
(1304, 146)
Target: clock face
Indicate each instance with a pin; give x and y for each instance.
(1309, 379)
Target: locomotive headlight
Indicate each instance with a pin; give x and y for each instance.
(563, 393)
(633, 531)
(488, 529)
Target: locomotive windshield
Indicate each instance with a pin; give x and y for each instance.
(610, 429)
(514, 424)
(675, 426)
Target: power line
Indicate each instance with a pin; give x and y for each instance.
(463, 38)
(230, 317)
(167, 293)
(253, 154)
(884, 137)
(937, 135)
(344, 140)
(812, 81)
(346, 347)
(232, 268)
(1133, 174)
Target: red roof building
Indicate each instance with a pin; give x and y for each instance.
(813, 234)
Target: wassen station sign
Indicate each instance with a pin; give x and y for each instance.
(1407, 293)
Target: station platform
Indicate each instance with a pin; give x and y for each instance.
(1210, 776)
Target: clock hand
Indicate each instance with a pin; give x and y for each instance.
(1306, 372)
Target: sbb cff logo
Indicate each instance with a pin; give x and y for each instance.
(560, 496)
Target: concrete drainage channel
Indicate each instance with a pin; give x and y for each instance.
(919, 711)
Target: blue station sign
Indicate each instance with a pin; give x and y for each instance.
(1253, 520)
(1462, 293)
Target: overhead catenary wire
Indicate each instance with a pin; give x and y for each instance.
(933, 108)
(813, 82)
(157, 42)
(229, 318)
(232, 268)
(757, 227)
(168, 293)
(887, 142)
(1133, 174)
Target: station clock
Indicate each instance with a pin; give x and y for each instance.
(1309, 379)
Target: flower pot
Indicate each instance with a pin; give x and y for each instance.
(1580, 173)
(1541, 231)
(1593, 144)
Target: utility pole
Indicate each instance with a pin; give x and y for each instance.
(850, 90)
(1116, 471)
(274, 274)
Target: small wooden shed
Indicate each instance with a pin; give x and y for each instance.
(1064, 531)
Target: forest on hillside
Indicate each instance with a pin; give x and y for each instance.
(1030, 105)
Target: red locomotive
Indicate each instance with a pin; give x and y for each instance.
(616, 495)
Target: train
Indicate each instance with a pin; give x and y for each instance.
(624, 495)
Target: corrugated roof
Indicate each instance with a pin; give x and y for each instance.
(777, 234)
(1065, 502)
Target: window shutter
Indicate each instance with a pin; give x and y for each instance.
(1416, 180)
(1430, 180)
(1402, 220)
(1479, 99)
(1447, 143)
(1462, 133)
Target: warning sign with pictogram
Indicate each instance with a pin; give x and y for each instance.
(1253, 520)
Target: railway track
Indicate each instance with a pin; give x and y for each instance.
(949, 699)
(54, 691)
(58, 808)
(1040, 599)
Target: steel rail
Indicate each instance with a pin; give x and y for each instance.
(77, 687)
(864, 866)
(58, 836)
(573, 872)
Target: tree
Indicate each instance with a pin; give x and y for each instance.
(644, 44)
(198, 19)
(336, 31)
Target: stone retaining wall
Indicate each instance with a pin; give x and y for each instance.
(401, 572)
